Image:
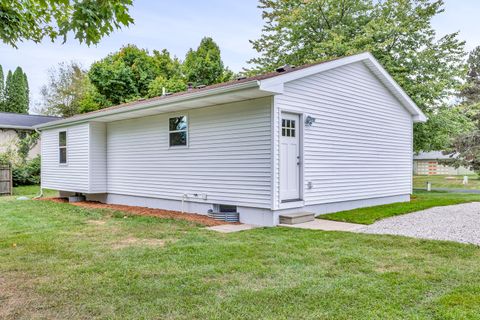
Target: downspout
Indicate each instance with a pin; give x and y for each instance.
(41, 189)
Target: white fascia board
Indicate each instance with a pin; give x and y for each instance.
(417, 113)
(275, 85)
(148, 104)
(6, 126)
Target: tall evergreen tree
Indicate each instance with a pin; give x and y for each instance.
(2, 88)
(6, 92)
(16, 96)
(27, 90)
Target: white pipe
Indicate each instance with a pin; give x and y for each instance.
(41, 189)
(40, 195)
(184, 196)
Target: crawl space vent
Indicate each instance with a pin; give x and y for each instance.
(224, 213)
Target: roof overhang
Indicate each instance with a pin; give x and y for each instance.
(6, 126)
(238, 92)
(216, 96)
(276, 84)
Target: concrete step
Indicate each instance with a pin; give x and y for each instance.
(295, 218)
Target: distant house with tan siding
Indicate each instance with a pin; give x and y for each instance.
(14, 126)
(430, 163)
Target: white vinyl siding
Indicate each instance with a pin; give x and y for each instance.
(360, 146)
(72, 176)
(98, 157)
(228, 155)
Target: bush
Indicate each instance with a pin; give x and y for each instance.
(27, 173)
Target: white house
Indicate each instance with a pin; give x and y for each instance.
(305, 139)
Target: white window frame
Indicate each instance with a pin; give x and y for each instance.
(63, 147)
(173, 131)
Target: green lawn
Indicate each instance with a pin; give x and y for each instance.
(451, 182)
(420, 200)
(32, 191)
(66, 262)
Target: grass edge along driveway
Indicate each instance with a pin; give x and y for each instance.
(419, 201)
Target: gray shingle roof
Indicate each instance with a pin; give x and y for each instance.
(23, 121)
(432, 155)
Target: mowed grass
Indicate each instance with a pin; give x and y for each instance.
(420, 200)
(450, 182)
(58, 261)
(32, 191)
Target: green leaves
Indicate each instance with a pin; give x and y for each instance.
(133, 73)
(88, 20)
(470, 92)
(15, 94)
(129, 74)
(466, 147)
(397, 32)
(163, 85)
(204, 66)
(68, 91)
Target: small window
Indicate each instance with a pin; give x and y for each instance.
(288, 128)
(178, 131)
(62, 146)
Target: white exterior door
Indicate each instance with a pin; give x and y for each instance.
(290, 157)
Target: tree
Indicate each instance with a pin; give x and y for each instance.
(8, 86)
(465, 148)
(16, 92)
(2, 88)
(397, 32)
(470, 93)
(88, 20)
(163, 85)
(168, 66)
(204, 66)
(126, 75)
(67, 90)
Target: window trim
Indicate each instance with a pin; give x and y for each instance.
(173, 131)
(63, 147)
(288, 128)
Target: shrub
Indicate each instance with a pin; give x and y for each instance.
(27, 173)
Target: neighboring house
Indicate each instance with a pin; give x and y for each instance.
(319, 138)
(428, 163)
(14, 126)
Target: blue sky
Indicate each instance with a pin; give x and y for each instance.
(179, 25)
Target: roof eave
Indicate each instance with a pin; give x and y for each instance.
(149, 104)
(6, 126)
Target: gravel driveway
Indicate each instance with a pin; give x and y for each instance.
(459, 223)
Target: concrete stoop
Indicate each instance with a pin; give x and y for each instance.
(296, 218)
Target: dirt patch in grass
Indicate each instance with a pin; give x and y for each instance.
(132, 241)
(143, 211)
(18, 300)
(97, 222)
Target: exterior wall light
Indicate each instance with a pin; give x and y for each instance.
(309, 121)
